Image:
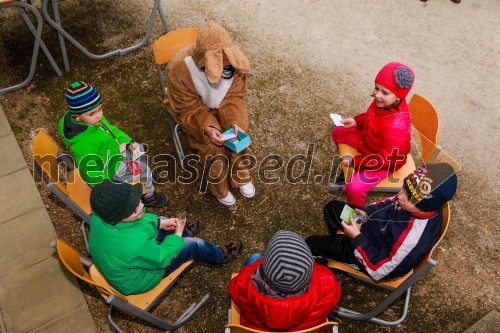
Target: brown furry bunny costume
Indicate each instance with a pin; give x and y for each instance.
(206, 86)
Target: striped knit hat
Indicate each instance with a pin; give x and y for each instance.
(431, 186)
(82, 97)
(288, 262)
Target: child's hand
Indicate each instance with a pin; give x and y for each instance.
(362, 212)
(236, 129)
(347, 160)
(348, 122)
(133, 146)
(179, 227)
(123, 146)
(168, 224)
(214, 135)
(351, 230)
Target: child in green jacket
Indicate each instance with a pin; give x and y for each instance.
(101, 150)
(133, 249)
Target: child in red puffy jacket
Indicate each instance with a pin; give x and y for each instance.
(381, 135)
(286, 290)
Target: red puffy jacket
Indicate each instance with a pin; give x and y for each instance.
(385, 138)
(285, 314)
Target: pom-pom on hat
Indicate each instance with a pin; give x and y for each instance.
(396, 77)
(430, 187)
(82, 97)
(113, 201)
(288, 262)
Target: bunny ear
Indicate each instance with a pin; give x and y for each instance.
(237, 58)
(213, 65)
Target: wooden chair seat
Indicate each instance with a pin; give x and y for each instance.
(145, 300)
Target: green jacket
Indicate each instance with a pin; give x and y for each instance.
(128, 255)
(96, 148)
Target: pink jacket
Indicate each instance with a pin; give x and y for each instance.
(385, 138)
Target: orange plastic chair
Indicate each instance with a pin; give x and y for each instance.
(397, 286)
(234, 325)
(138, 305)
(425, 121)
(164, 49)
(73, 190)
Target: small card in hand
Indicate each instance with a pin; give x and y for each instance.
(349, 213)
(182, 217)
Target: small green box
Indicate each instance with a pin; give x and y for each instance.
(239, 143)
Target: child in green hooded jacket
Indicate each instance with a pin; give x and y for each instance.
(101, 150)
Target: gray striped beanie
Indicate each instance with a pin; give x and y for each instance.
(288, 262)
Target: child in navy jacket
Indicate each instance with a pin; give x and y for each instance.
(399, 231)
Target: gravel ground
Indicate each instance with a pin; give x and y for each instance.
(310, 58)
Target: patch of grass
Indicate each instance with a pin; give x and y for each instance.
(25, 111)
(17, 129)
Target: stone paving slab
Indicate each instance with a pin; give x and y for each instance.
(25, 241)
(18, 195)
(69, 322)
(12, 159)
(38, 295)
(488, 324)
(4, 124)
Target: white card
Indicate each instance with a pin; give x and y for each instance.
(336, 119)
(137, 153)
(226, 137)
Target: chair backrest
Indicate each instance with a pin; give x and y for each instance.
(165, 47)
(45, 151)
(70, 258)
(45, 154)
(325, 327)
(425, 120)
(444, 227)
(79, 191)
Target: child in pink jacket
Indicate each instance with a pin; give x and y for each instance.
(381, 134)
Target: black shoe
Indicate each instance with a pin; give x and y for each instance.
(339, 184)
(156, 200)
(340, 179)
(232, 250)
(192, 227)
(156, 178)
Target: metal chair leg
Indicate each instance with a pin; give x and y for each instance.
(38, 38)
(56, 24)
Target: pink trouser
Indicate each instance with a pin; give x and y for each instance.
(362, 181)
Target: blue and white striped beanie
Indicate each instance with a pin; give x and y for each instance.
(288, 262)
(82, 97)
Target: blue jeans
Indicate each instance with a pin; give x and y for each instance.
(196, 248)
(253, 258)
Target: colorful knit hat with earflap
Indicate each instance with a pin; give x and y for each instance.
(82, 97)
(431, 186)
(288, 262)
(113, 201)
(396, 77)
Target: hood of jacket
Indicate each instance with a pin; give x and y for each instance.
(70, 128)
(213, 47)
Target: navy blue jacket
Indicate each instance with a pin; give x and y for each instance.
(392, 242)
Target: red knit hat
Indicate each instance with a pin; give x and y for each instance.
(396, 77)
